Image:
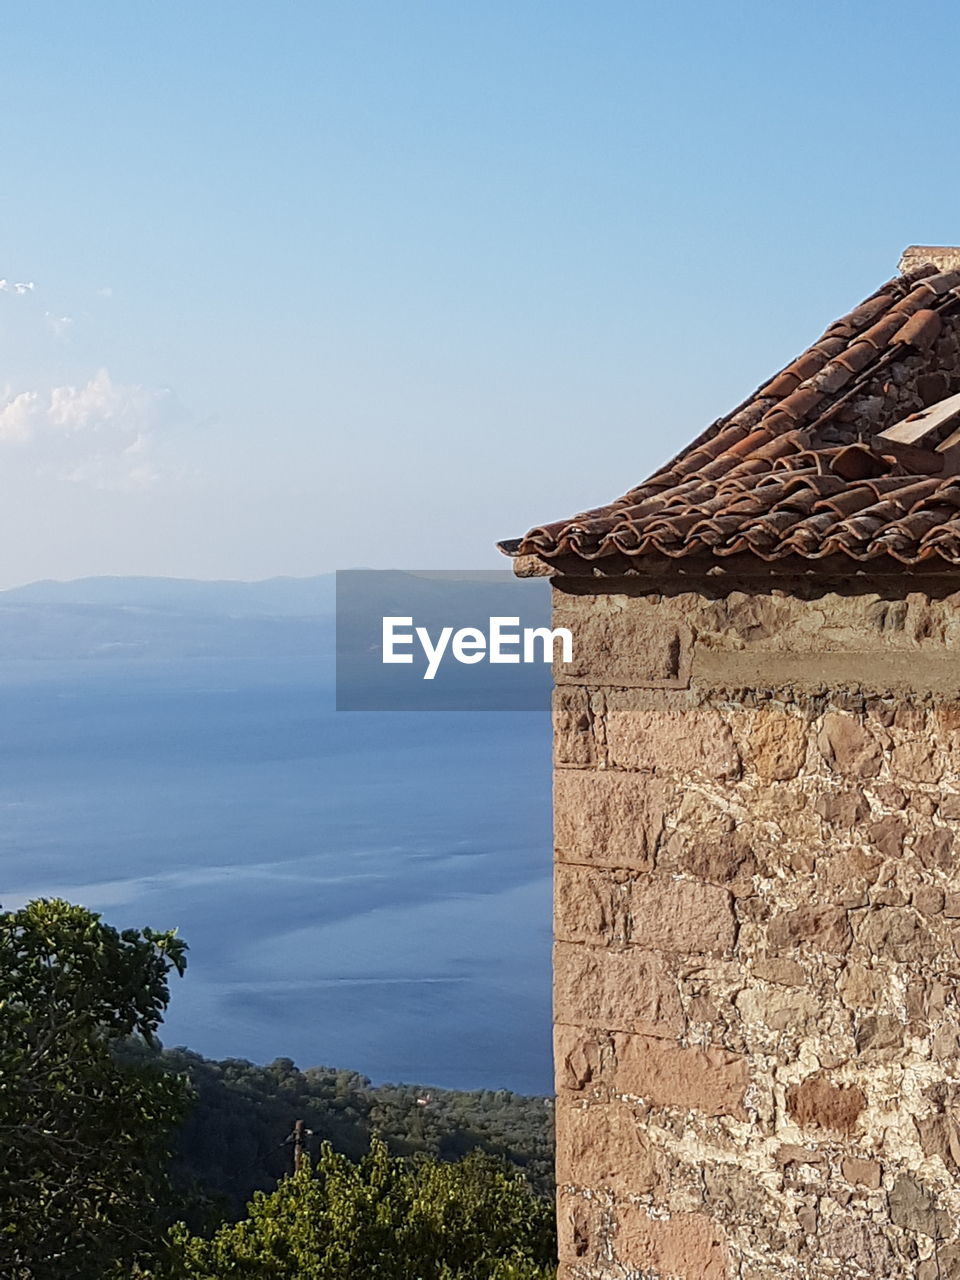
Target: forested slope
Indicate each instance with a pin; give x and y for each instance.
(234, 1140)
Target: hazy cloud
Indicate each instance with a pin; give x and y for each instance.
(59, 325)
(102, 433)
(21, 287)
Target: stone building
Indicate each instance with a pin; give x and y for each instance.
(757, 805)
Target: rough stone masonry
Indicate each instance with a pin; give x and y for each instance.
(758, 929)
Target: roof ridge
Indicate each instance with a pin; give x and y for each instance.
(896, 353)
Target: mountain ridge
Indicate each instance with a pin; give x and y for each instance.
(280, 596)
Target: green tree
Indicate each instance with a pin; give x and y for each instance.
(83, 1136)
(229, 1146)
(384, 1218)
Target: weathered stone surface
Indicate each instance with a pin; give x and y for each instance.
(928, 899)
(946, 1042)
(623, 641)
(888, 834)
(888, 895)
(897, 932)
(719, 860)
(889, 795)
(916, 760)
(818, 1104)
(845, 808)
(573, 740)
(914, 1207)
(935, 849)
(679, 743)
(944, 1265)
(909, 717)
(651, 911)
(592, 906)
(848, 747)
(924, 804)
(665, 1074)
(625, 1239)
(861, 987)
(786, 805)
(879, 1031)
(797, 912)
(782, 970)
(848, 875)
(618, 990)
(685, 1244)
(862, 1246)
(680, 915)
(703, 816)
(580, 1057)
(812, 928)
(808, 1219)
(580, 1230)
(659, 1072)
(778, 1009)
(948, 718)
(603, 1146)
(924, 999)
(940, 1136)
(777, 745)
(790, 1153)
(608, 818)
(734, 1196)
(863, 1173)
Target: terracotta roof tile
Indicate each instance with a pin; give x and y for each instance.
(857, 356)
(783, 384)
(921, 330)
(800, 469)
(830, 347)
(879, 334)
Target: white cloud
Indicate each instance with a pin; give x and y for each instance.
(59, 325)
(102, 433)
(18, 416)
(20, 287)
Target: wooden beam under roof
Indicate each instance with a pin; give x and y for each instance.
(918, 425)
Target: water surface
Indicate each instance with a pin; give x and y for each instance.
(365, 890)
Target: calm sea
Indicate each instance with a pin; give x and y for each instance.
(363, 890)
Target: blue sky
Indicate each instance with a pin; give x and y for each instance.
(318, 285)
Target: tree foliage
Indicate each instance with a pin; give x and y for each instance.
(382, 1218)
(230, 1143)
(83, 1136)
(88, 1104)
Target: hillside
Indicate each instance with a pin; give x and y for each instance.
(234, 1141)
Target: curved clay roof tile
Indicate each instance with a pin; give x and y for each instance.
(810, 427)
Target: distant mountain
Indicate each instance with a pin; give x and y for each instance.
(272, 597)
(165, 619)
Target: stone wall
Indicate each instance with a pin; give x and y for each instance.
(757, 930)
